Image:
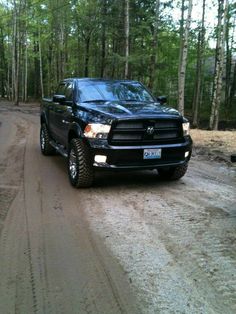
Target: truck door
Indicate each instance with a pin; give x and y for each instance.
(64, 114)
(54, 112)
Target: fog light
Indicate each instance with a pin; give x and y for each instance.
(100, 158)
(186, 154)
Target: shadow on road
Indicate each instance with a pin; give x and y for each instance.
(128, 179)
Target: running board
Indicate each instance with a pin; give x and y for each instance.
(59, 148)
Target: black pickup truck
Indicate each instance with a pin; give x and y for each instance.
(113, 124)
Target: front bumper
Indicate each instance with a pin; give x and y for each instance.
(131, 157)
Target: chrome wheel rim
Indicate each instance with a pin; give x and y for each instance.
(42, 137)
(72, 164)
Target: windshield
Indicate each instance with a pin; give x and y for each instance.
(110, 91)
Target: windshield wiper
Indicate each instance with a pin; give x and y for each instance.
(134, 100)
(95, 100)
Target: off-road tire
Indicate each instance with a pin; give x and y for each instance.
(80, 164)
(233, 158)
(46, 148)
(174, 173)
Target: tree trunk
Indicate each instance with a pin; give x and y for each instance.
(36, 67)
(49, 68)
(62, 49)
(198, 82)
(126, 39)
(214, 118)
(182, 69)
(153, 58)
(228, 63)
(233, 87)
(40, 64)
(17, 81)
(15, 57)
(103, 39)
(26, 73)
(3, 67)
(114, 51)
(9, 67)
(86, 64)
(181, 35)
(9, 95)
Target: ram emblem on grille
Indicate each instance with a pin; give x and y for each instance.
(150, 130)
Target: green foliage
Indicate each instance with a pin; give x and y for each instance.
(86, 37)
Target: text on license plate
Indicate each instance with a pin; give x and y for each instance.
(152, 153)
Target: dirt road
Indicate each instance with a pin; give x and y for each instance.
(130, 244)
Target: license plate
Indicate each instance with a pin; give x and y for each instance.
(152, 153)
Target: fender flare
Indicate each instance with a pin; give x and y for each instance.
(75, 130)
(43, 118)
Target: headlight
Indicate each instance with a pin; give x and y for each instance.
(96, 130)
(186, 128)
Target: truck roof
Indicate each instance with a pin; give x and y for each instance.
(87, 79)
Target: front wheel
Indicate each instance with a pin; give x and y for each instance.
(80, 167)
(174, 173)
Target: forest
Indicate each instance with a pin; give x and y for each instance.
(188, 57)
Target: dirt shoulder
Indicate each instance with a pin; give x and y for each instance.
(214, 145)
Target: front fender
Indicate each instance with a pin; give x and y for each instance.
(76, 129)
(43, 118)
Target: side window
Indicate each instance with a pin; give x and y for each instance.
(61, 89)
(69, 91)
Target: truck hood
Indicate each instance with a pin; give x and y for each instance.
(122, 109)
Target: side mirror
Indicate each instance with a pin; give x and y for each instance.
(59, 98)
(162, 99)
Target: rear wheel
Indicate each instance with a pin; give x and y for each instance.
(80, 167)
(174, 173)
(46, 147)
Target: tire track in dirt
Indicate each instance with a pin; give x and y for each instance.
(11, 162)
(13, 249)
(105, 271)
(48, 259)
(30, 260)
